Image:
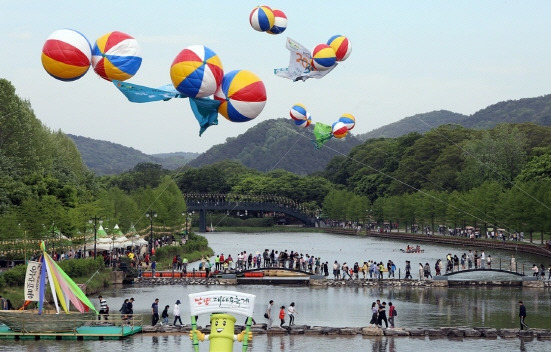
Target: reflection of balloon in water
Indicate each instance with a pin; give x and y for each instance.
(339, 129)
(196, 71)
(323, 57)
(242, 95)
(280, 22)
(298, 112)
(116, 56)
(66, 55)
(348, 120)
(341, 45)
(262, 18)
(304, 123)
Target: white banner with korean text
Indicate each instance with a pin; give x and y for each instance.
(32, 281)
(221, 302)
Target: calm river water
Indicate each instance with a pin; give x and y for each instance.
(342, 306)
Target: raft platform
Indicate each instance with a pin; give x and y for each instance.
(113, 329)
(82, 333)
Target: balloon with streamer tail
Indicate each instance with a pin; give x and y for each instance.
(116, 56)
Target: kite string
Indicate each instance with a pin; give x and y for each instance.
(392, 157)
(486, 165)
(403, 183)
(273, 167)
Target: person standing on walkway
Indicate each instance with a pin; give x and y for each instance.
(268, 315)
(164, 315)
(176, 312)
(282, 316)
(153, 268)
(408, 270)
(291, 311)
(155, 312)
(103, 308)
(382, 316)
(522, 315)
(130, 306)
(374, 314)
(421, 271)
(391, 314)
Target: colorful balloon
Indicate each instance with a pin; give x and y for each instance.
(116, 56)
(348, 120)
(323, 57)
(262, 18)
(339, 129)
(242, 95)
(196, 72)
(298, 112)
(66, 55)
(304, 123)
(341, 45)
(280, 22)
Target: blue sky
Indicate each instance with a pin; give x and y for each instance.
(408, 57)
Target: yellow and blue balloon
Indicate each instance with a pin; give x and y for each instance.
(262, 18)
(341, 45)
(323, 57)
(196, 72)
(116, 56)
(242, 96)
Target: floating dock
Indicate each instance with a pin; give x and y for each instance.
(113, 329)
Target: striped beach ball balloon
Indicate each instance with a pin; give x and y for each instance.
(66, 55)
(298, 112)
(242, 95)
(341, 45)
(304, 123)
(280, 22)
(262, 18)
(196, 72)
(323, 57)
(348, 120)
(339, 130)
(116, 56)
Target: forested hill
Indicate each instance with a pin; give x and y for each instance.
(536, 110)
(277, 144)
(107, 158)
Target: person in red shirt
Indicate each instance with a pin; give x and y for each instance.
(282, 316)
(391, 314)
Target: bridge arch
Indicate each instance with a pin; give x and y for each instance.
(202, 203)
(484, 270)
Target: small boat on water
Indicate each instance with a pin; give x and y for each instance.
(64, 291)
(412, 249)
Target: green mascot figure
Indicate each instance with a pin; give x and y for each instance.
(222, 325)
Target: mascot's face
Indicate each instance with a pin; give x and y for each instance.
(222, 325)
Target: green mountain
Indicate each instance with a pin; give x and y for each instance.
(535, 110)
(277, 144)
(107, 158)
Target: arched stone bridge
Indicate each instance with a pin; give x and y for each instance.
(252, 204)
(484, 270)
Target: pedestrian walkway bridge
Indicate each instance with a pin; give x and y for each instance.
(466, 271)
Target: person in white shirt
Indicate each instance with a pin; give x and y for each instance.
(291, 311)
(176, 312)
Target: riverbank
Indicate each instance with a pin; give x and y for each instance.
(515, 246)
(441, 332)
